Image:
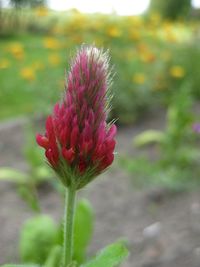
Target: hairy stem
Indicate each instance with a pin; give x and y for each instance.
(69, 225)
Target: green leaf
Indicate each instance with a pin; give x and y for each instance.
(110, 256)
(38, 236)
(54, 257)
(83, 220)
(43, 173)
(12, 175)
(148, 137)
(73, 264)
(20, 265)
(28, 193)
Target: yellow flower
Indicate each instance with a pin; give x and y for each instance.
(51, 43)
(166, 55)
(54, 59)
(155, 18)
(57, 30)
(169, 33)
(77, 39)
(41, 11)
(142, 48)
(139, 78)
(4, 63)
(17, 50)
(28, 74)
(134, 35)
(148, 57)
(171, 37)
(113, 32)
(37, 65)
(177, 72)
(136, 21)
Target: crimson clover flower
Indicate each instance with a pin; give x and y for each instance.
(79, 144)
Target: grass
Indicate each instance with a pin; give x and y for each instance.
(34, 77)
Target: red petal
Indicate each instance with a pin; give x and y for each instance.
(101, 134)
(42, 140)
(87, 132)
(82, 167)
(86, 147)
(110, 145)
(112, 132)
(98, 153)
(74, 137)
(107, 161)
(49, 124)
(53, 159)
(68, 154)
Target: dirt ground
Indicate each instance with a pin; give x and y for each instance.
(162, 230)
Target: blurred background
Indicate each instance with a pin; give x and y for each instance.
(151, 195)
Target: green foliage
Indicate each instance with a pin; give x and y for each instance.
(150, 174)
(36, 3)
(25, 186)
(73, 264)
(38, 236)
(84, 219)
(148, 137)
(171, 9)
(41, 240)
(110, 256)
(38, 171)
(83, 229)
(20, 265)
(27, 3)
(18, 3)
(27, 182)
(12, 175)
(176, 165)
(143, 52)
(179, 127)
(178, 130)
(54, 257)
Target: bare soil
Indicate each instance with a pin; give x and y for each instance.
(161, 229)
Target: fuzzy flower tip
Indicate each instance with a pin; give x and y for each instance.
(78, 142)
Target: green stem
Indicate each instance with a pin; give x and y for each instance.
(69, 225)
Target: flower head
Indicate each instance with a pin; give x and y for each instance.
(51, 43)
(177, 72)
(139, 78)
(17, 50)
(28, 73)
(78, 142)
(4, 63)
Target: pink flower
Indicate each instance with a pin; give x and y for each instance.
(78, 142)
(196, 127)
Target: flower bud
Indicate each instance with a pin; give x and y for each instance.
(78, 142)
